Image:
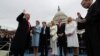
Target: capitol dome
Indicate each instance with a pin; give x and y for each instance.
(59, 15)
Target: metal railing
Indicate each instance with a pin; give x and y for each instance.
(5, 44)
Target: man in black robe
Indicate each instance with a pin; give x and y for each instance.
(92, 26)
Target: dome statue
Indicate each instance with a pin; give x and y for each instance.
(59, 15)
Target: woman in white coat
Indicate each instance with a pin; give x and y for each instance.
(53, 39)
(71, 33)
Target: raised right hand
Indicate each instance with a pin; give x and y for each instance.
(24, 11)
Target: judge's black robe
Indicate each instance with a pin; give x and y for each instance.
(92, 27)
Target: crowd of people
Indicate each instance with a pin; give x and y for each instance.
(58, 35)
(4, 39)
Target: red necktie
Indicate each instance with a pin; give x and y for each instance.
(59, 24)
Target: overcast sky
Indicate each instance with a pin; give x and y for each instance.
(43, 10)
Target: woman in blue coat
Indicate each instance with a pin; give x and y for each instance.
(35, 39)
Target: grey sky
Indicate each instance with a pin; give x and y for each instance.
(43, 10)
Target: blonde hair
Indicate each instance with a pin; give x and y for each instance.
(69, 18)
(53, 23)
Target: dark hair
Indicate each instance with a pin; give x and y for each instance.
(38, 21)
(44, 22)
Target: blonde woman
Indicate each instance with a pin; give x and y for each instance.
(53, 40)
(72, 38)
